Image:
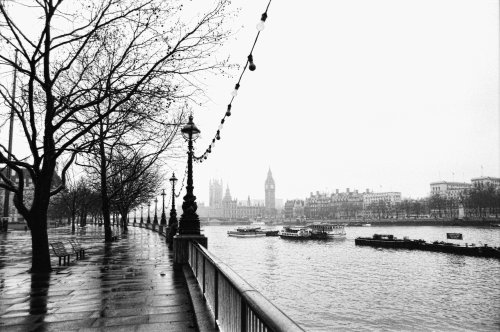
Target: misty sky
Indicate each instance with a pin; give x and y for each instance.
(388, 95)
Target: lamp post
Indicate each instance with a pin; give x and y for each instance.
(148, 221)
(155, 219)
(163, 221)
(142, 219)
(135, 210)
(189, 222)
(172, 221)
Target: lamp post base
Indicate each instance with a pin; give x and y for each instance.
(181, 248)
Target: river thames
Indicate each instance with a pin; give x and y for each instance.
(335, 285)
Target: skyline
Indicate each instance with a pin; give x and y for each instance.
(329, 192)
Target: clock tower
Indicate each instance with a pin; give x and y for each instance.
(270, 192)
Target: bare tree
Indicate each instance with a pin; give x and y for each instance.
(135, 181)
(80, 54)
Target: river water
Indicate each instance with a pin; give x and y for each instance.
(335, 285)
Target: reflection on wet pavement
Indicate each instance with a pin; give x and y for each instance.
(129, 285)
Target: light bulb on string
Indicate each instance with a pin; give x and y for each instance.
(252, 65)
(220, 127)
(228, 113)
(218, 135)
(235, 91)
(261, 25)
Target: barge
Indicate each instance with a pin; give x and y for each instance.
(252, 232)
(390, 241)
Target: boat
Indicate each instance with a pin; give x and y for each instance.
(328, 231)
(390, 241)
(270, 232)
(247, 232)
(297, 233)
(366, 225)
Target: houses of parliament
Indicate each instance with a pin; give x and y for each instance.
(224, 206)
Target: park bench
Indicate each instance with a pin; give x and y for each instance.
(60, 251)
(77, 248)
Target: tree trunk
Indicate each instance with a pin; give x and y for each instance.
(124, 221)
(73, 214)
(104, 192)
(40, 255)
(36, 219)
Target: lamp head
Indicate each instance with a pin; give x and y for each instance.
(173, 179)
(190, 130)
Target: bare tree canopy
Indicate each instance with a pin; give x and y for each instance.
(79, 56)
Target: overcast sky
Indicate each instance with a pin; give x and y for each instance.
(388, 95)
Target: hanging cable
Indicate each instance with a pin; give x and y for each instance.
(251, 66)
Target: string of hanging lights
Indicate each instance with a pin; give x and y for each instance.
(183, 182)
(251, 66)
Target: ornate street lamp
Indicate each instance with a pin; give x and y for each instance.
(163, 221)
(155, 219)
(172, 221)
(148, 221)
(189, 222)
(142, 219)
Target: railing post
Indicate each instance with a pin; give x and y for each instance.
(196, 264)
(204, 259)
(243, 315)
(216, 293)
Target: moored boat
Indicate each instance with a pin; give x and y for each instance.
(271, 232)
(296, 233)
(327, 231)
(247, 232)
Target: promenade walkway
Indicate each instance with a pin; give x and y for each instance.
(128, 285)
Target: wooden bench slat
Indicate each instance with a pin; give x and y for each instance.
(60, 251)
(77, 248)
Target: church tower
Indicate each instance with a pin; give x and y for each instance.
(215, 193)
(270, 192)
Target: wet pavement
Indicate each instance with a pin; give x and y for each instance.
(128, 285)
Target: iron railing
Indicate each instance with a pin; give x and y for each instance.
(235, 304)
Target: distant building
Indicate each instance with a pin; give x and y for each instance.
(390, 198)
(346, 205)
(339, 205)
(16, 221)
(270, 190)
(229, 205)
(485, 181)
(215, 193)
(294, 209)
(14, 216)
(449, 189)
(231, 209)
(278, 203)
